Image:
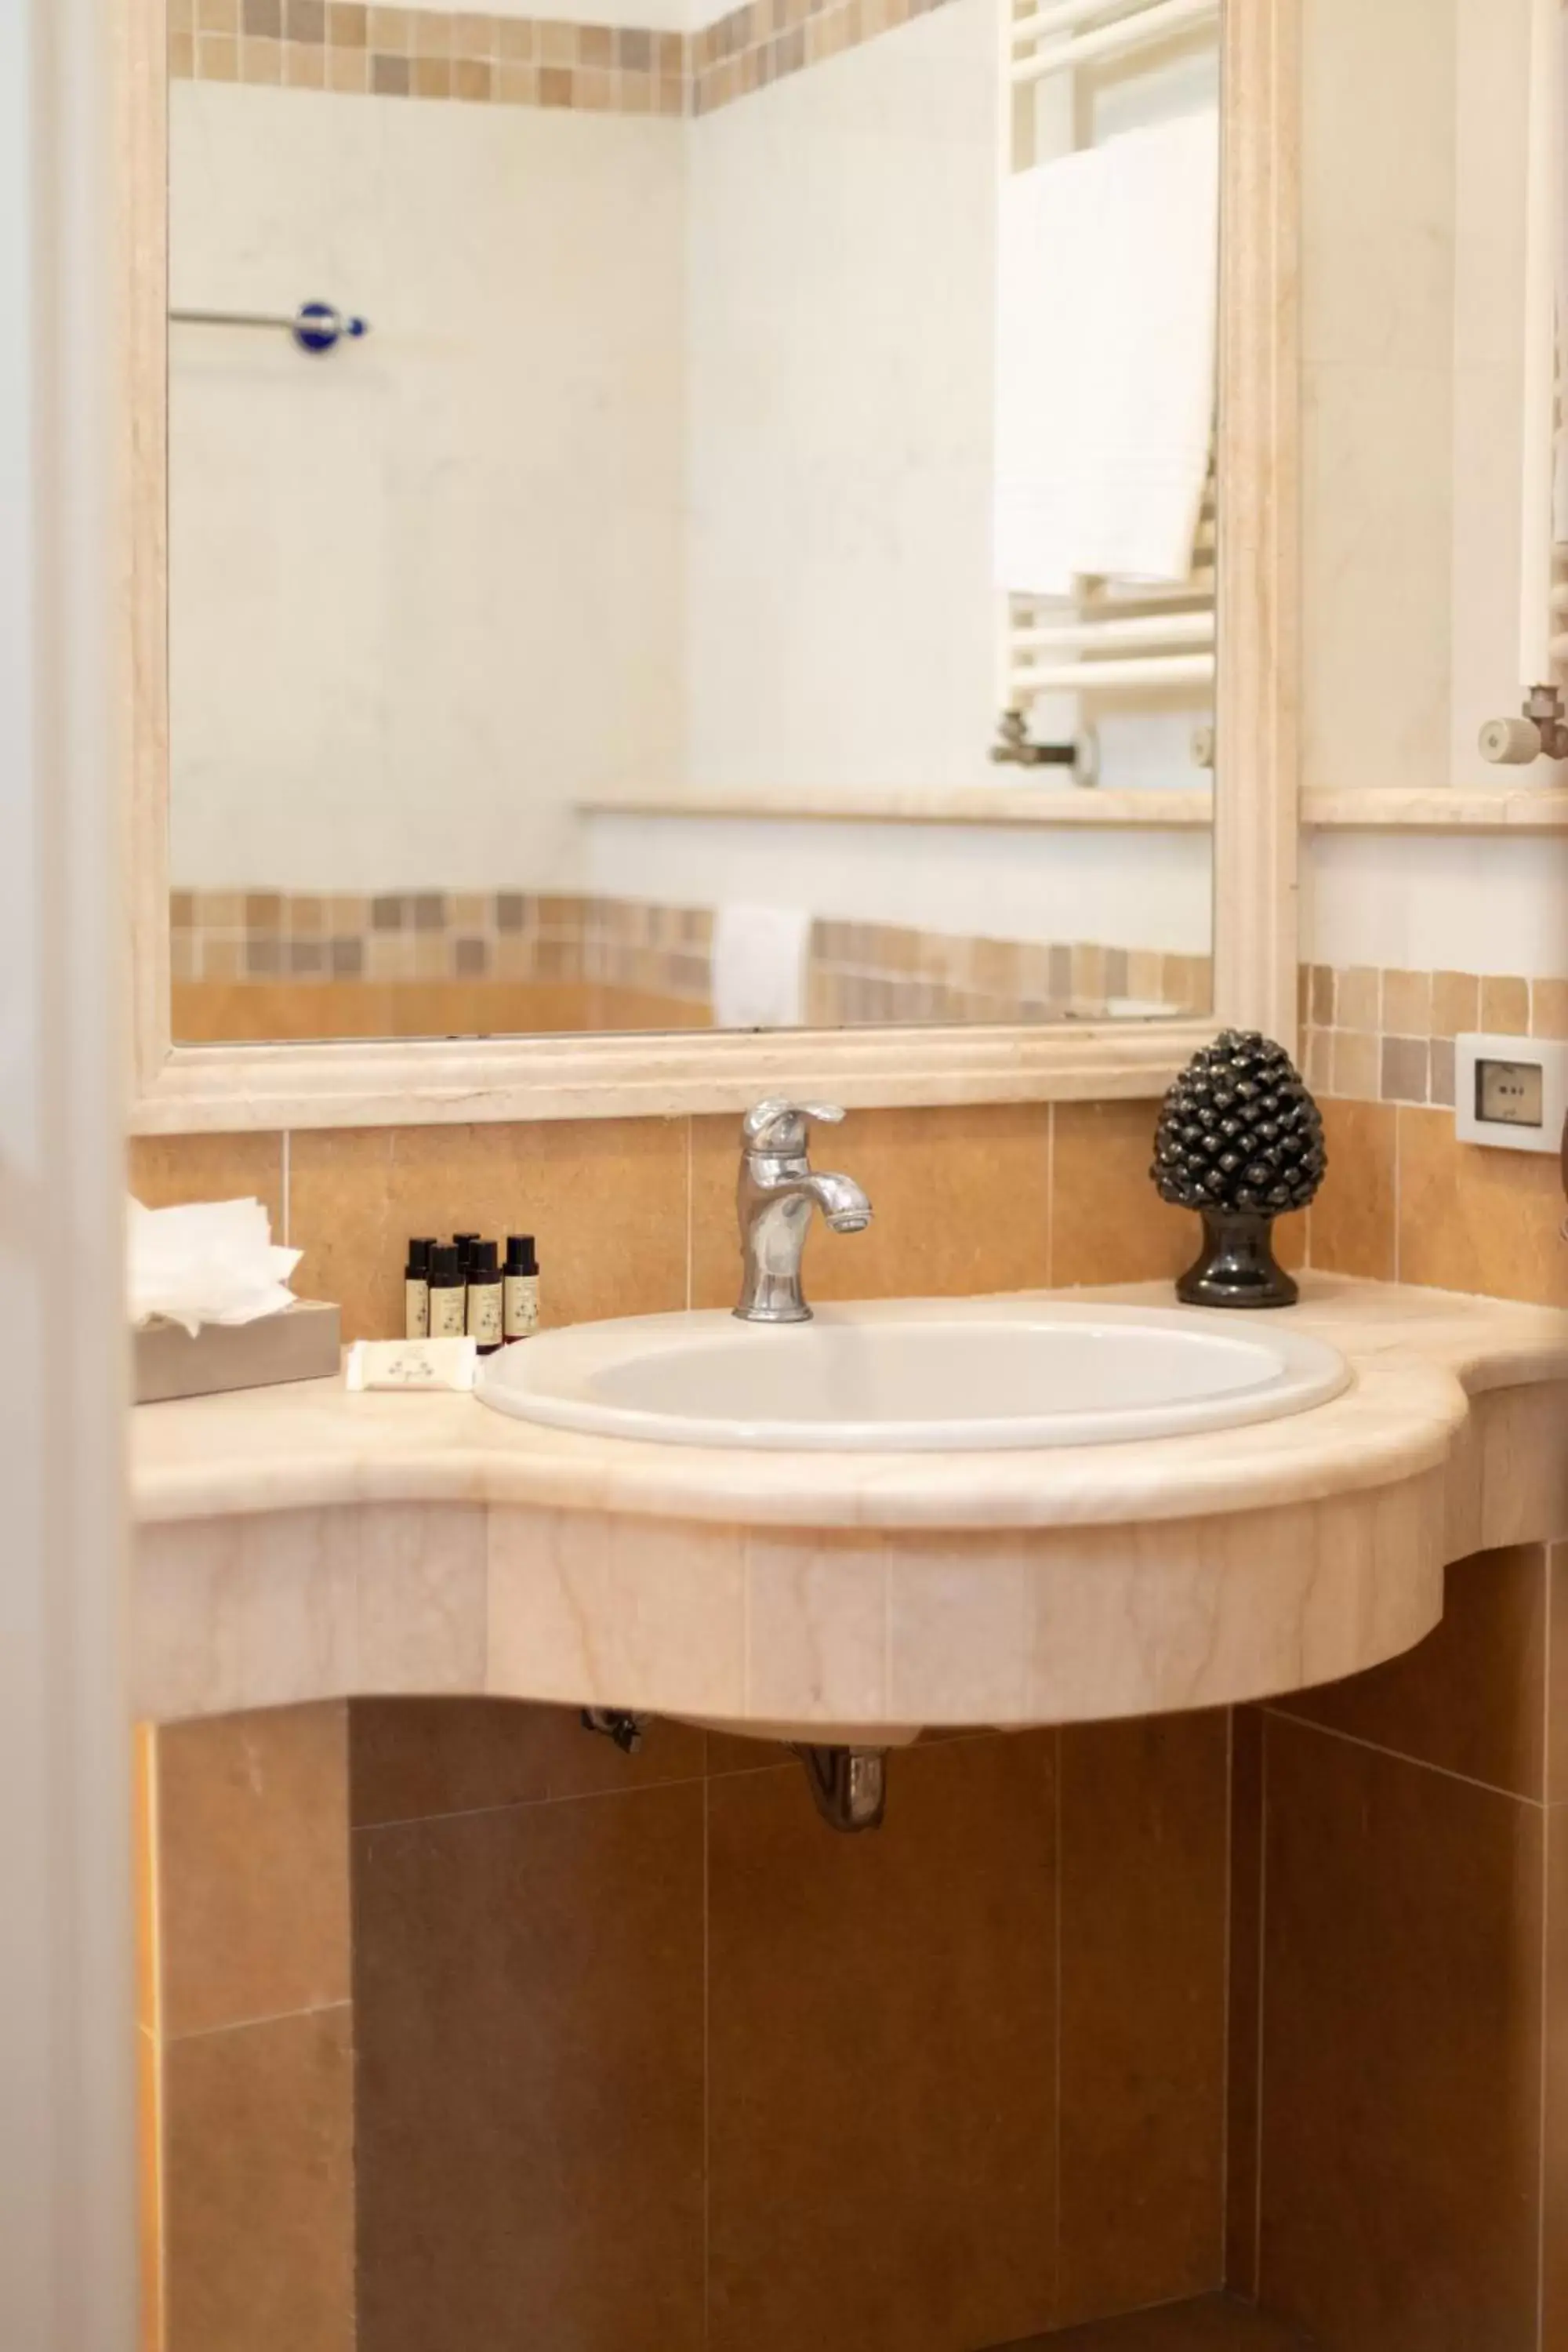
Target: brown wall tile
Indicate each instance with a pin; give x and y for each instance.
(1144, 1865)
(167, 1171)
(1402, 2052)
(882, 2014)
(1471, 1697)
(252, 1866)
(1554, 2279)
(258, 2187)
(1474, 1218)
(1108, 1224)
(961, 1200)
(414, 1758)
(607, 1198)
(530, 2015)
(1244, 2014)
(1354, 1217)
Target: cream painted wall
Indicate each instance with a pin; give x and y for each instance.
(1413, 296)
(425, 591)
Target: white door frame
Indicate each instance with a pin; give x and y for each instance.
(67, 2048)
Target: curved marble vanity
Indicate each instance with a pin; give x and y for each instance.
(299, 1543)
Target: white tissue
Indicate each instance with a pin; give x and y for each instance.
(211, 1263)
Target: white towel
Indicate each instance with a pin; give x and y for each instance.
(759, 967)
(1108, 301)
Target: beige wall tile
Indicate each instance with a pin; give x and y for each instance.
(167, 1171)
(606, 1198)
(1406, 1003)
(1143, 1865)
(1108, 1224)
(1471, 1698)
(1505, 1007)
(882, 2036)
(258, 2187)
(1358, 998)
(252, 1866)
(960, 1197)
(1357, 1065)
(529, 2018)
(1401, 1988)
(1478, 1219)
(1455, 1003)
(1354, 1217)
(1549, 1008)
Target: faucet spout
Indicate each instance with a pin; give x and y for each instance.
(777, 1193)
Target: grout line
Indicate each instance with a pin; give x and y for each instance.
(267, 2017)
(1545, 1957)
(707, 2067)
(1399, 1756)
(691, 1204)
(1398, 1156)
(530, 1804)
(1056, 2044)
(1262, 2014)
(1050, 1195)
(1229, 1988)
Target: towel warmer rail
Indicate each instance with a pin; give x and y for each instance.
(1124, 640)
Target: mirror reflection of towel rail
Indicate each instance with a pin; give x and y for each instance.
(316, 327)
(1114, 677)
(1159, 23)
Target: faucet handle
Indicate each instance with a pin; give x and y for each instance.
(781, 1127)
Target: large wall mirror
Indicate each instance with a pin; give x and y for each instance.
(741, 522)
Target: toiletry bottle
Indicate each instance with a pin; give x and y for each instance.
(484, 1297)
(416, 1291)
(521, 1287)
(448, 1294)
(464, 1246)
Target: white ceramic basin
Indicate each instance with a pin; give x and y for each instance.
(922, 1377)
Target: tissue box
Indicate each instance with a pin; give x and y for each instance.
(300, 1344)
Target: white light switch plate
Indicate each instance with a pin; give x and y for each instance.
(1510, 1091)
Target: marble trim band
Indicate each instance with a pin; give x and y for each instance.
(355, 50)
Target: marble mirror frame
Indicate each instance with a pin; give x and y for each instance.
(179, 1089)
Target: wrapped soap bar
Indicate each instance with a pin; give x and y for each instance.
(412, 1364)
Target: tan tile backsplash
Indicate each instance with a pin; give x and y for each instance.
(480, 59)
(1387, 1035)
(858, 972)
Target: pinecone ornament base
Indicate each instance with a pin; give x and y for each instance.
(1236, 1266)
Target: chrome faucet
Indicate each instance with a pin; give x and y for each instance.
(776, 1194)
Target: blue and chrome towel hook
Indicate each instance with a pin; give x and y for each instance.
(316, 327)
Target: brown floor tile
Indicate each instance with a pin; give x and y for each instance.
(1108, 1224)
(1243, 2020)
(1213, 2323)
(1471, 1697)
(528, 1991)
(411, 1758)
(960, 1196)
(1354, 1217)
(1402, 2052)
(253, 1867)
(1473, 1218)
(1143, 1867)
(259, 2188)
(167, 1171)
(1554, 2280)
(881, 2037)
(606, 1198)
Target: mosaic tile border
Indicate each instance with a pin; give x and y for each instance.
(353, 49)
(1386, 1034)
(857, 971)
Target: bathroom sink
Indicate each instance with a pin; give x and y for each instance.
(928, 1377)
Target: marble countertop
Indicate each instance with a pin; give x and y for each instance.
(1418, 1356)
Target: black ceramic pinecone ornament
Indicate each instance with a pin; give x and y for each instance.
(1240, 1140)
